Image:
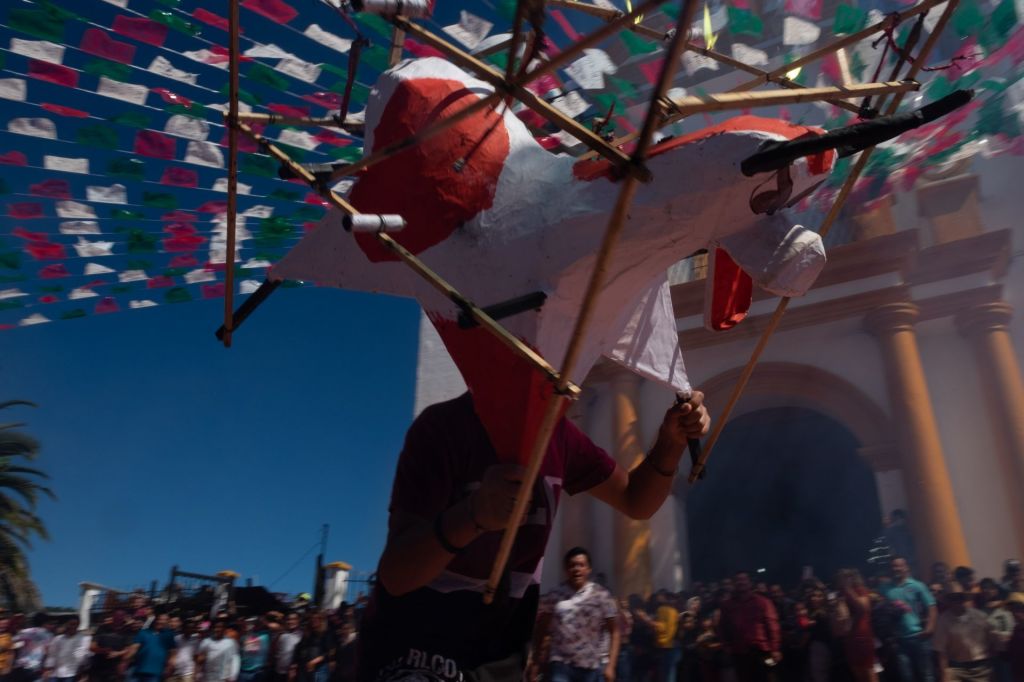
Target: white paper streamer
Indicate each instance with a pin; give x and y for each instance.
(204, 154)
(317, 34)
(142, 303)
(797, 31)
(297, 68)
(590, 69)
(87, 249)
(200, 275)
(298, 138)
(128, 92)
(82, 292)
(693, 62)
(187, 127)
(268, 51)
(749, 55)
(114, 194)
(38, 49)
(36, 127)
(73, 209)
(13, 89)
(65, 164)
(132, 276)
(571, 104)
(34, 318)
(162, 67)
(221, 185)
(207, 57)
(79, 227)
(97, 269)
(471, 29)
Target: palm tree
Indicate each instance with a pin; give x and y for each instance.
(20, 490)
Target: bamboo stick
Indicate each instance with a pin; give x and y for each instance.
(232, 207)
(513, 45)
(826, 225)
(421, 268)
(695, 104)
(608, 15)
(397, 42)
(531, 100)
(845, 75)
(597, 277)
(280, 119)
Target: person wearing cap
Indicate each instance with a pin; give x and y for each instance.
(1015, 647)
(963, 640)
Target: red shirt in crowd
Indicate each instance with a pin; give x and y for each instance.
(749, 624)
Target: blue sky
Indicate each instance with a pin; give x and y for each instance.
(166, 448)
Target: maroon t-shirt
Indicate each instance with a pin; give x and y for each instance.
(444, 627)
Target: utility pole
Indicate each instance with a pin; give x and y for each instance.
(318, 584)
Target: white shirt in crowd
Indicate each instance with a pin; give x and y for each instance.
(963, 638)
(185, 655)
(578, 621)
(222, 661)
(66, 653)
(286, 643)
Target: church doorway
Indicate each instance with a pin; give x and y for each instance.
(786, 489)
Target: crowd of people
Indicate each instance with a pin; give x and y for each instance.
(144, 644)
(892, 627)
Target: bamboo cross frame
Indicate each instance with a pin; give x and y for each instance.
(778, 75)
(566, 388)
(615, 224)
(610, 14)
(833, 214)
(443, 124)
(840, 44)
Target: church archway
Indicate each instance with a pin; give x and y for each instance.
(793, 481)
(787, 488)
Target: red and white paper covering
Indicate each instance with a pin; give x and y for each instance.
(499, 216)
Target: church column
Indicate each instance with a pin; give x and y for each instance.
(632, 538)
(986, 327)
(934, 517)
(576, 511)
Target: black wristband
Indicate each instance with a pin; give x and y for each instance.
(441, 539)
(666, 474)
